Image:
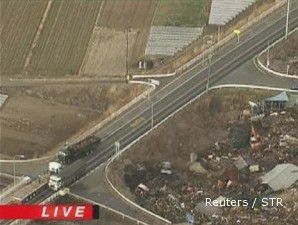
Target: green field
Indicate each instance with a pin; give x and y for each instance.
(188, 13)
(65, 37)
(19, 22)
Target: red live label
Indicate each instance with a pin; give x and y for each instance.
(49, 212)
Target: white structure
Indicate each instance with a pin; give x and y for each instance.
(223, 11)
(55, 167)
(168, 40)
(2, 99)
(281, 176)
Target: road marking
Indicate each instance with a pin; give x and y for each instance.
(191, 77)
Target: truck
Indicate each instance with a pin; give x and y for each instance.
(54, 167)
(70, 153)
(67, 175)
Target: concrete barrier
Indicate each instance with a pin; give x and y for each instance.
(267, 69)
(11, 188)
(109, 209)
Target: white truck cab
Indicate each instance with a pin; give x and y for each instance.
(55, 182)
(54, 167)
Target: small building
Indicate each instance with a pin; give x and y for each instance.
(2, 99)
(276, 102)
(281, 176)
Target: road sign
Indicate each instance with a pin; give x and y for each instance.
(237, 32)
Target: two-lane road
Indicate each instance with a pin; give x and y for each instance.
(174, 93)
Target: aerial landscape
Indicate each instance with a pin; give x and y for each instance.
(151, 112)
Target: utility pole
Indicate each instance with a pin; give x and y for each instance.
(218, 34)
(287, 21)
(268, 55)
(208, 44)
(14, 167)
(117, 148)
(152, 115)
(127, 45)
(209, 71)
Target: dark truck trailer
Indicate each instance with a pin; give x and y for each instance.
(78, 150)
(68, 175)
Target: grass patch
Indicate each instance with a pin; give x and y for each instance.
(188, 13)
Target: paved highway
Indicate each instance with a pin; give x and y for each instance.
(176, 92)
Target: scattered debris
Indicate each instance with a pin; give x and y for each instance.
(258, 153)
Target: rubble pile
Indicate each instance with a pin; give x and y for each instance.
(233, 169)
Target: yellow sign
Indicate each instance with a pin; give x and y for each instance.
(237, 32)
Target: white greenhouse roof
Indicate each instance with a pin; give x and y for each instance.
(223, 11)
(281, 176)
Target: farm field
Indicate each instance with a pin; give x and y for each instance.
(35, 120)
(63, 42)
(186, 13)
(106, 54)
(19, 22)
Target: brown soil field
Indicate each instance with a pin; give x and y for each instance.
(64, 40)
(109, 40)
(106, 54)
(283, 54)
(19, 21)
(35, 120)
(194, 129)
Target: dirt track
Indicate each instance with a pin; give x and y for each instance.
(109, 40)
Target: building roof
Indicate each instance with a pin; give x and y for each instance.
(168, 40)
(281, 97)
(223, 11)
(281, 176)
(2, 99)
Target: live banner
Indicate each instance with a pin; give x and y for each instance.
(49, 212)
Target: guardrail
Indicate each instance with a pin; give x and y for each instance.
(25, 222)
(267, 69)
(11, 188)
(109, 209)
